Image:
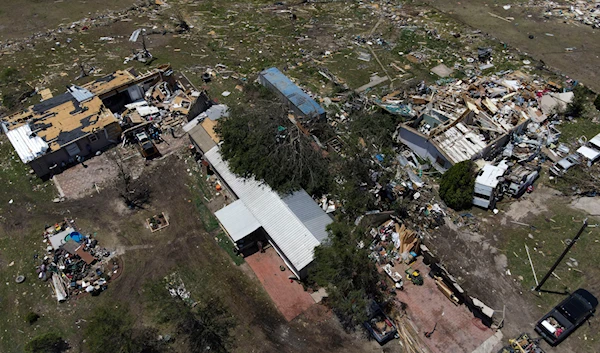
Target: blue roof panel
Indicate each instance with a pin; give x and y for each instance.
(297, 96)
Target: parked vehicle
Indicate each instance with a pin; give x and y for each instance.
(561, 321)
(561, 167)
(146, 146)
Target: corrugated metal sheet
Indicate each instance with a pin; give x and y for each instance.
(293, 93)
(309, 213)
(284, 224)
(28, 147)
(81, 94)
(237, 219)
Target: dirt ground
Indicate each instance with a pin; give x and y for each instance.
(22, 18)
(184, 247)
(484, 260)
(581, 63)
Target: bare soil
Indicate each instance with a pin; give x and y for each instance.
(482, 260)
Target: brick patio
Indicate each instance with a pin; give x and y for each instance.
(289, 298)
(457, 330)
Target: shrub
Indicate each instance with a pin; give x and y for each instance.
(50, 342)
(456, 186)
(31, 317)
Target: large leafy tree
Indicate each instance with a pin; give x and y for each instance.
(207, 327)
(456, 186)
(260, 140)
(344, 268)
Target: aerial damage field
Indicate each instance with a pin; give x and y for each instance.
(330, 49)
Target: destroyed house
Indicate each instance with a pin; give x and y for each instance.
(448, 138)
(293, 224)
(50, 135)
(299, 101)
(126, 86)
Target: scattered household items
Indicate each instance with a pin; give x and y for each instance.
(429, 333)
(74, 262)
(379, 325)
(567, 316)
(414, 276)
(176, 288)
(393, 243)
(522, 344)
(561, 167)
(157, 222)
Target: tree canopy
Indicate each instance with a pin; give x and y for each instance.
(50, 342)
(259, 140)
(456, 186)
(345, 269)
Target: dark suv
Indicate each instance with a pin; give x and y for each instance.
(561, 321)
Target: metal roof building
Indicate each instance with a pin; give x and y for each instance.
(301, 102)
(296, 224)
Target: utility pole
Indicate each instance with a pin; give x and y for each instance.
(562, 256)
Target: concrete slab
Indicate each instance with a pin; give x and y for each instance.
(457, 330)
(289, 296)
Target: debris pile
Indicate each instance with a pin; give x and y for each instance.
(74, 262)
(586, 12)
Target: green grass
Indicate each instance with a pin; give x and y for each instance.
(572, 131)
(200, 192)
(210, 222)
(226, 244)
(549, 231)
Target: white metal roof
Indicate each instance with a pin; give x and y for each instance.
(595, 141)
(295, 223)
(28, 146)
(490, 174)
(237, 219)
(588, 152)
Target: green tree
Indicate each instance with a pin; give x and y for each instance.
(110, 330)
(50, 342)
(206, 327)
(577, 108)
(597, 102)
(259, 140)
(456, 186)
(345, 269)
